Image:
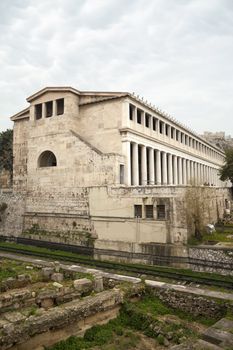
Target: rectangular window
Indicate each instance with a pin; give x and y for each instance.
(60, 106)
(154, 124)
(166, 129)
(48, 109)
(131, 112)
(139, 116)
(149, 211)
(122, 168)
(182, 138)
(137, 211)
(160, 212)
(38, 111)
(177, 135)
(147, 120)
(172, 133)
(161, 127)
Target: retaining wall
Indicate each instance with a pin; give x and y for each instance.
(11, 219)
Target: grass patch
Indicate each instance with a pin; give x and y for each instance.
(225, 236)
(110, 336)
(135, 319)
(123, 332)
(121, 267)
(9, 268)
(154, 306)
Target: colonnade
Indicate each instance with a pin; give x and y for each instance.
(149, 166)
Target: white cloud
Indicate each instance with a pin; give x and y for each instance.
(176, 53)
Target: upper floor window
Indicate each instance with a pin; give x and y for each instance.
(47, 159)
(139, 116)
(181, 137)
(38, 111)
(131, 112)
(48, 109)
(60, 106)
(147, 120)
(161, 127)
(172, 132)
(154, 124)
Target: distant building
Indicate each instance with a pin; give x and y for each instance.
(219, 139)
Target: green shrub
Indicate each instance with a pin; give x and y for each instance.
(100, 335)
(160, 339)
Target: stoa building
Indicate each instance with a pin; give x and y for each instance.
(110, 171)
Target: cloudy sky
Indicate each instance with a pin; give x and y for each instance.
(178, 54)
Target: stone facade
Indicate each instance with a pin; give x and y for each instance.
(11, 219)
(5, 179)
(109, 167)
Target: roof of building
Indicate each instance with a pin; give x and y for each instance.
(103, 96)
(21, 115)
(74, 91)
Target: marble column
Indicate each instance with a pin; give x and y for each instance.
(188, 171)
(54, 108)
(170, 173)
(195, 173)
(143, 166)
(191, 172)
(151, 167)
(158, 167)
(184, 171)
(164, 168)
(180, 176)
(135, 164)
(43, 110)
(175, 177)
(127, 152)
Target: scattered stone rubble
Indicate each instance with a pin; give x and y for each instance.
(217, 337)
(58, 299)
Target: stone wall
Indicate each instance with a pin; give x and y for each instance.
(11, 219)
(5, 179)
(112, 212)
(20, 155)
(192, 303)
(211, 259)
(76, 313)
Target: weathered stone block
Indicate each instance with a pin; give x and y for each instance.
(98, 284)
(83, 285)
(47, 303)
(14, 317)
(57, 285)
(57, 277)
(47, 272)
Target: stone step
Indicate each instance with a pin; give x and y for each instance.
(198, 345)
(221, 333)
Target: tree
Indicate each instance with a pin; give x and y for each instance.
(226, 171)
(196, 207)
(6, 150)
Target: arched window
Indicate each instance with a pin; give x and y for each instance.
(47, 159)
